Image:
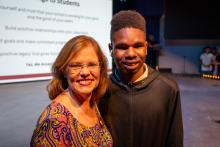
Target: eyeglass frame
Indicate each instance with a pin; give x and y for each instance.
(78, 67)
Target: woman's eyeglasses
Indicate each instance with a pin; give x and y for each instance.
(76, 67)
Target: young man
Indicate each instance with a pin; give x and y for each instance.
(142, 108)
(206, 60)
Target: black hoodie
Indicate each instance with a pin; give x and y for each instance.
(144, 114)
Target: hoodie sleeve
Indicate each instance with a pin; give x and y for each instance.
(175, 136)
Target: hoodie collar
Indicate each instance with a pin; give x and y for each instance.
(144, 75)
(148, 76)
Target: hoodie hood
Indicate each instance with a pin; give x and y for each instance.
(153, 74)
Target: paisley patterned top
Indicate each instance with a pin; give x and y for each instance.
(58, 127)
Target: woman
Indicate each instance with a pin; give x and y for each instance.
(79, 80)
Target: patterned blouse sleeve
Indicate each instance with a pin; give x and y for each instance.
(51, 131)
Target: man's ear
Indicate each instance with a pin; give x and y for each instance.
(110, 49)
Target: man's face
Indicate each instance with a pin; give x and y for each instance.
(128, 50)
(207, 50)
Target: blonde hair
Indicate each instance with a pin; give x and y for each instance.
(59, 83)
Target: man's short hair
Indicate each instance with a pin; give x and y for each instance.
(127, 19)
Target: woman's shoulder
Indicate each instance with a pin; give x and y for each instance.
(54, 112)
(52, 124)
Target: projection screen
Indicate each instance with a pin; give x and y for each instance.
(32, 32)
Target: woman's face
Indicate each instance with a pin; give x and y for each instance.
(83, 72)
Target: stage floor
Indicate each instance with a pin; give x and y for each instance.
(22, 103)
